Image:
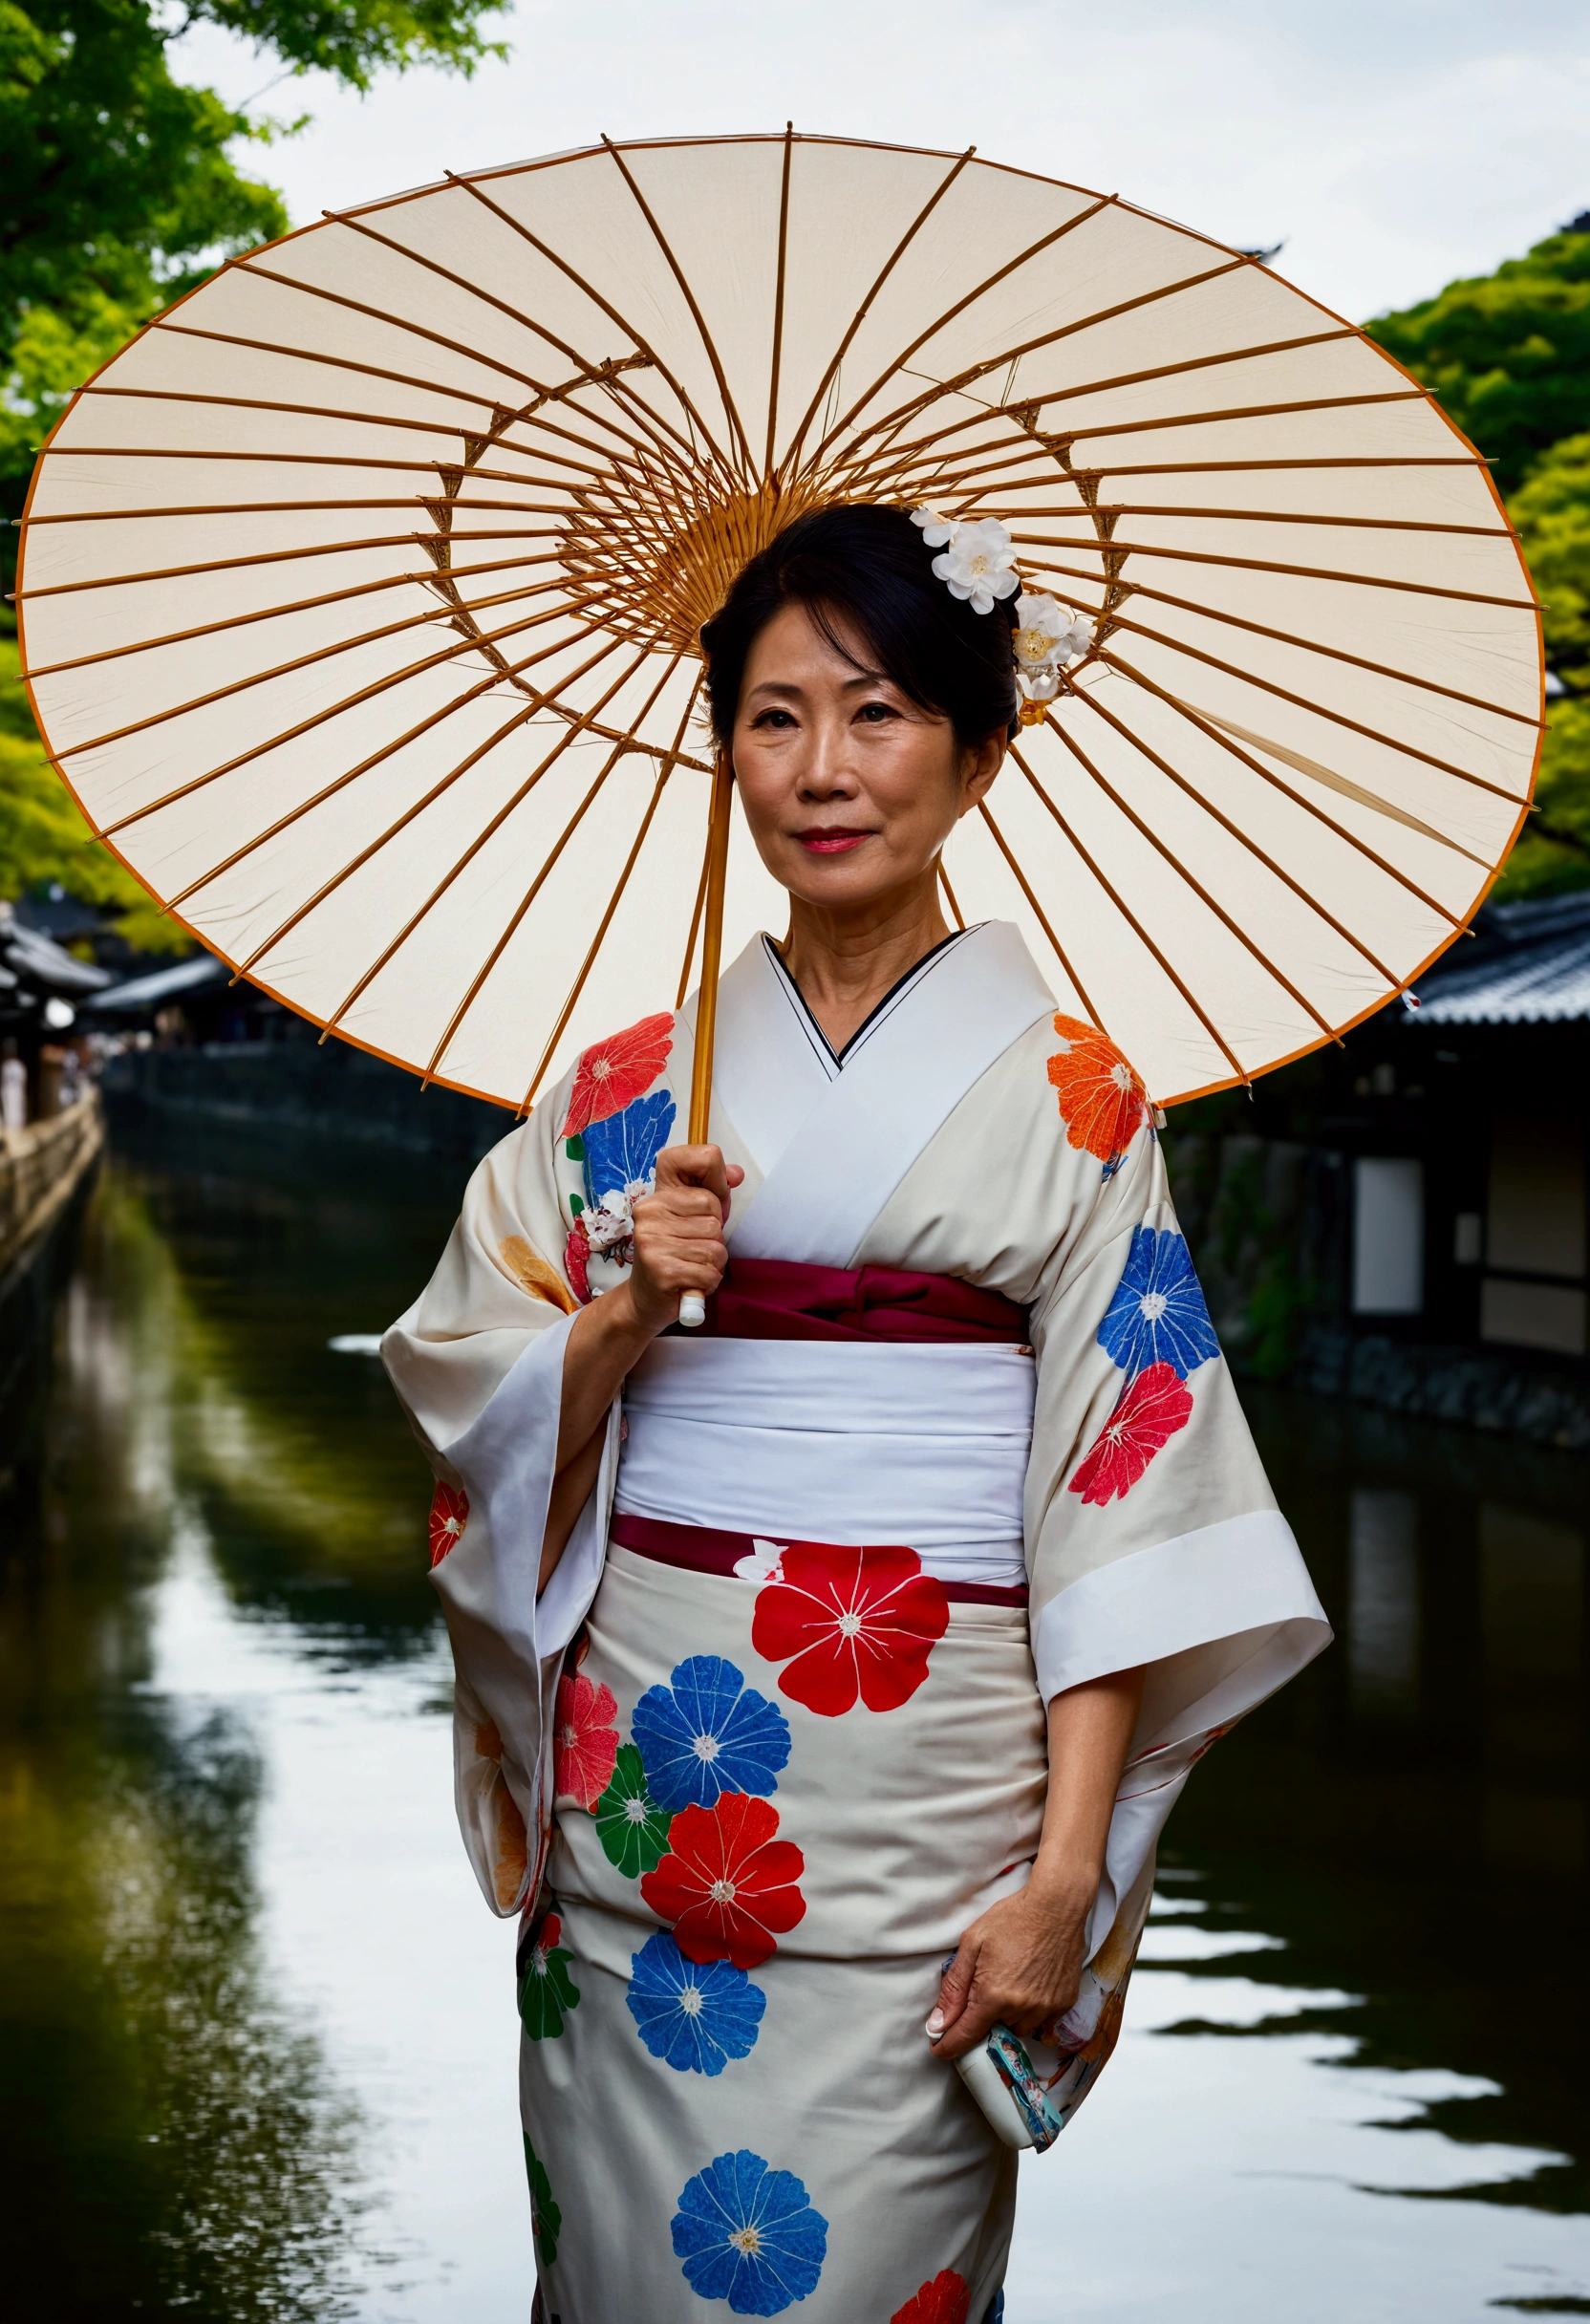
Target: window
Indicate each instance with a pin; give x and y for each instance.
(1535, 1239)
(1388, 1237)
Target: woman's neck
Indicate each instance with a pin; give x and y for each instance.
(845, 962)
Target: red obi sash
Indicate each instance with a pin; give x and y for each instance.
(783, 1298)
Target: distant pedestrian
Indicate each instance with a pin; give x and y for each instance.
(14, 1088)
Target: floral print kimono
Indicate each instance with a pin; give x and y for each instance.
(958, 1436)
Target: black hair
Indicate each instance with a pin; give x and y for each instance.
(866, 571)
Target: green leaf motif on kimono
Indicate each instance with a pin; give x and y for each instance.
(630, 1827)
(545, 2219)
(574, 1149)
(547, 1992)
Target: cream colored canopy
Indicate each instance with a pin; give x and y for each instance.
(360, 595)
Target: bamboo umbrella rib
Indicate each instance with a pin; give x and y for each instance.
(305, 661)
(1248, 411)
(340, 783)
(1253, 467)
(640, 409)
(300, 604)
(730, 409)
(399, 322)
(1130, 378)
(1010, 356)
(1286, 637)
(380, 419)
(694, 920)
(184, 509)
(863, 310)
(586, 966)
(459, 282)
(1038, 911)
(352, 701)
(309, 459)
(773, 372)
(942, 321)
(527, 415)
(280, 556)
(1132, 920)
(1268, 775)
(1267, 565)
(1297, 516)
(1225, 824)
(1301, 701)
(949, 895)
(1066, 437)
(462, 862)
(534, 891)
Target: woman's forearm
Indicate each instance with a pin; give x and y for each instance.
(605, 1341)
(1091, 1729)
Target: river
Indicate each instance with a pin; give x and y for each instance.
(257, 2033)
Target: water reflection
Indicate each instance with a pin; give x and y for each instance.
(258, 2034)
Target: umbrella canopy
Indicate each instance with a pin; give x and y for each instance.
(360, 595)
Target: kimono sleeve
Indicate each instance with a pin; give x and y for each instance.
(1154, 1538)
(477, 1362)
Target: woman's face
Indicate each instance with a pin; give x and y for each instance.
(851, 790)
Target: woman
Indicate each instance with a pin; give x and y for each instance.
(875, 1626)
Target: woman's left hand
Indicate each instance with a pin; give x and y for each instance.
(1020, 1964)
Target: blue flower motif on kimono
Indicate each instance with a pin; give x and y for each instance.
(621, 1153)
(1158, 1315)
(748, 2235)
(695, 2016)
(707, 1733)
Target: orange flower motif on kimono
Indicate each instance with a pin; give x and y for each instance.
(587, 1740)
(1150, 1412)
(614, 1071)
(449, 1515)
(1101, 1102)
(943, 2301)
(727, 1884)
(860, 1624)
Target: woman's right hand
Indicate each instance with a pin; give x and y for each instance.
(678, 1233)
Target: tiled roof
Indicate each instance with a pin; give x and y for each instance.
(1530, 965)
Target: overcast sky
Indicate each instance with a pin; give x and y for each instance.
(1391, 144)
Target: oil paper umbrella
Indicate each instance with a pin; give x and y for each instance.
(360, 599)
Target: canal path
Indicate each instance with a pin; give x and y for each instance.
(257, 2035)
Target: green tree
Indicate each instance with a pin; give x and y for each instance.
(118, 191)
(1508, 353)
(1552, 511)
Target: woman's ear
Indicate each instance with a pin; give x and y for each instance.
(978, 767)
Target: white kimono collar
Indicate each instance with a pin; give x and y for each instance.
(834, 1142)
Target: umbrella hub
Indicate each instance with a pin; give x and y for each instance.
(655, 578)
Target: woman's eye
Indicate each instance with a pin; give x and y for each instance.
(772, 718)
(875, 713)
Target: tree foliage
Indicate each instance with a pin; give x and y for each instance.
(1508, 353)
(120, 189)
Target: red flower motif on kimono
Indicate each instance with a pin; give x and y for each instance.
(859, 1622)
(1150, 1412)
(449, 1515)
(727, 1884)
(614, 1071)
(943, 2301)
(587, 1740)
(1101, 1102)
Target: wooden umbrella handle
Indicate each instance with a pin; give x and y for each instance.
(693, 1311)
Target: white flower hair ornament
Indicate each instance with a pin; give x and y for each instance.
(979, 564)
(979, 560)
